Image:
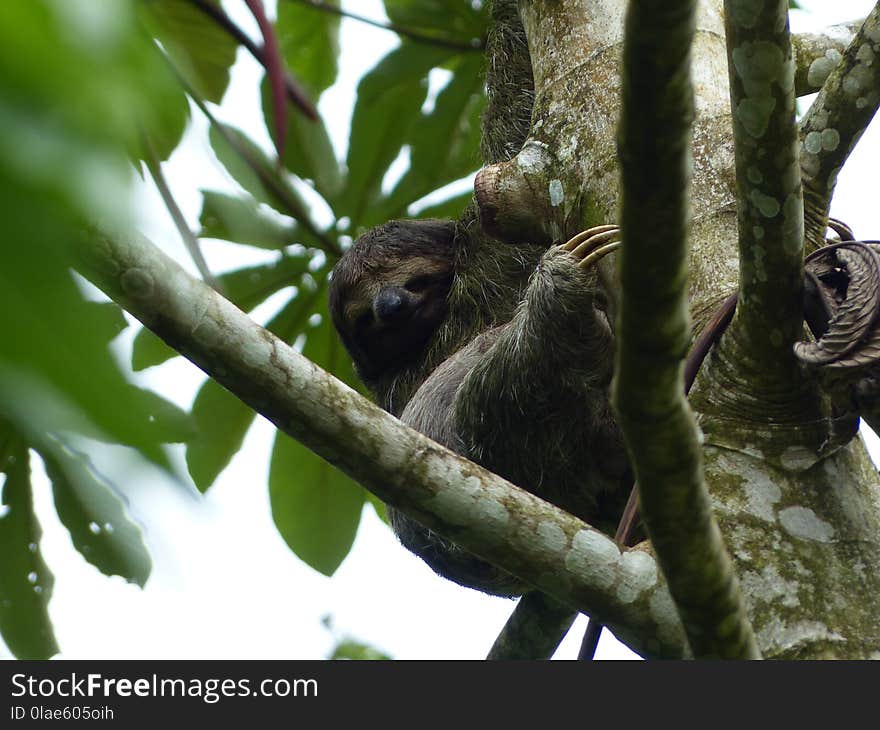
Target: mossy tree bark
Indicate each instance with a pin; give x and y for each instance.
(790, 486)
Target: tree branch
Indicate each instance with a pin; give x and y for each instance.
(534, 629)
(654, 329)
(817, 54)
(292, 205)
(189, 239)
(294, 92)
(554, 551)
(834, 123)
(770, 204)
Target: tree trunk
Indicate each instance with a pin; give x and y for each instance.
(792, 486)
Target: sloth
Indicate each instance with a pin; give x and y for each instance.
(502, 353)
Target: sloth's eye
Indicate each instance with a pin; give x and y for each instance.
(363, 320)
(418, 283)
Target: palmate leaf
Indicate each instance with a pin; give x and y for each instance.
(459, 20)
(316, 507)
(357, 651)
(242, 220)
(444, 143)
(251, 168)
(25, 580)
(148, 350)
(309, 40)
(202, 51)
(166, 422)
(248, 287)
(161, 136)
(94, 514)
(389, 100)
(56, 371)
(66, 125)
(221, 419)
(309, 153)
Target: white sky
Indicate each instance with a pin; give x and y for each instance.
(224, 584)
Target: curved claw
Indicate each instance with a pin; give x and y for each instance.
(587, 247)
(583, 236)
(600, 252)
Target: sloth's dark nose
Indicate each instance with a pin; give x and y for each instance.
(390, 304)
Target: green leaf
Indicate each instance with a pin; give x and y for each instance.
(389, 99)
(460, 21)
(56, 371)
(106, 318)
(167, 422)
(309, 152)
(221, 419)
(148, 350)
(201, 50)
(248, 287)
(94, 514)
(97, 87)
(25, 580)
(315, 507)
(356, 650)
(241, 219)
(445, 142)
(379, 507)
(163, 135)
(251, 169)
(309, 40)
(68, 125)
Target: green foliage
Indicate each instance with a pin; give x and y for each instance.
(242, 220)
(201, 51)
(25, 580)
(315, 507)
(456, 119)
(83, 90)
(388, 104)
(222, 422)
(459, 21)
(358, 651)
(309, 40)
(94, 514)
(251, 168)
(309, 153)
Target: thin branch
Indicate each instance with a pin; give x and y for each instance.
(189, 239)
(477, 44)
(817, 54)
(654, 330)
(293, 207)
(295, 93)
(534, 629)
(770, 203)
(834, 123)
(483, 513)
(275, 71)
